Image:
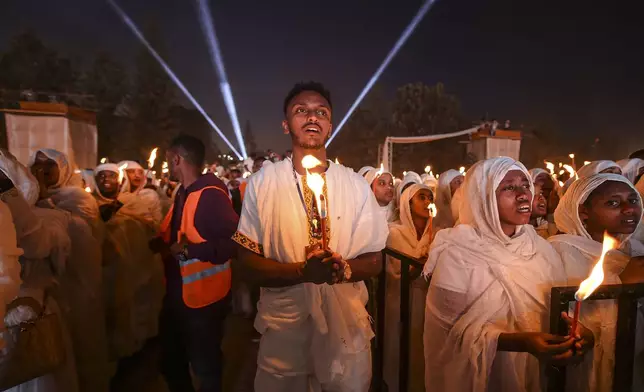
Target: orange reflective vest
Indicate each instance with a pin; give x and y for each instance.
(203, 282)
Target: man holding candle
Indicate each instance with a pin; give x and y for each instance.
(315, 329)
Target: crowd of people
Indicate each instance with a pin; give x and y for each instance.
(120, 259)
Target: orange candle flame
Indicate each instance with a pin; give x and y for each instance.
(596, 277)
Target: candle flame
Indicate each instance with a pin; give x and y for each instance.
(428, 169)
(587, 163)
(596, 277)
(382, 170)
(88, 189)
(336, 161)
(572, 156)
(247, 174)
(550, 166)
(103, 160)
(462, 170)
(309, 162)
(205, 170)
(570, 170)
(560, 164)
(164, 168)
(314, 181)
(404, 173)
(152, 158)
(432, 209)
(562, 171)
(561, 184)
(122, 172)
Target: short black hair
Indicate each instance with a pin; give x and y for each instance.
(190, 148)
(307, 86)
(637, 154)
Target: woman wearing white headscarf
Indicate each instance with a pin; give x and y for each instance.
(149, 196)
(487, 305)
(632, 169)
(409, 178)
(446, 188)
(381, 183)
(591, 206)
(62, 187)
(591, 169)
(42, 234)
(544, 202)
(411, 236)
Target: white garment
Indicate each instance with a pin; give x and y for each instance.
(580, 253)
(403, 238)
(370, 174)
(631, 168)
(273, 223)
(410, 178)
(596, 167)
(485, 283)
(455, 204)
(444, 218)
(150, 203)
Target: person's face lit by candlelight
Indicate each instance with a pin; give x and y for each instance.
(383, 189)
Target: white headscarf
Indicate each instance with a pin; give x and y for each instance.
(631, 168)
(129, 165)
(444, 218)
(372, 174)
(110, 167)
(365, 169)
(510, 293)
(567, 213)
(21, 177)
(595, 167)
(429, 180)
(579, 253)
(402, 234)
(66, 168)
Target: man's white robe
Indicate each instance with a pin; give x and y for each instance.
(317, 332)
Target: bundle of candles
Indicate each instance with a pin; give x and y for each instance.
(588, 286)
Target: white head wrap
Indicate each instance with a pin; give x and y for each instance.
(21, 177)
(66, 168)
(129, 165)
(444, 216)
(404, 232)
(371, 175)
(365, 169)
(595, 167)
(111, 167)
(631, 168)
(567, 212)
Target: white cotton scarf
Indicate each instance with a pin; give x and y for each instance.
(522, 268)
(130, 165)
(595, 167)
(67, 194)
(580, 253)
(631, 168)
(370, 174)
(402, 234)
(444, 218)
(338, 312)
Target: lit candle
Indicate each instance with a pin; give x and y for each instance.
(572, 157)
(315, 182)
(432, 213)
(152, 158)
(428, 169)
(595, 279)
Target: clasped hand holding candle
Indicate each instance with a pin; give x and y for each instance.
(322, 253)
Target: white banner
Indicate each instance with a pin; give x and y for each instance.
(28, 133)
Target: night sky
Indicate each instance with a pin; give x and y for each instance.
(576, 66)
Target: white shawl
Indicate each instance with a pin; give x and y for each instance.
(402, 234)
(370, 174)
(130, 165)
(444, 218)
(580, 253)
(273, 216)
(504, 283)
(631, 168)
(595, 167)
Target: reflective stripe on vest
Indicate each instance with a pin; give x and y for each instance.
(215, 269)
(203, 282)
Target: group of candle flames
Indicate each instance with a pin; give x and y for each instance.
(563, 168)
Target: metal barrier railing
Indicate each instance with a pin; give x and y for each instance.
(627, 297)
(406, 262)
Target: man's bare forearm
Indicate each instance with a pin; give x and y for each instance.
(266, 272)
(365, 266)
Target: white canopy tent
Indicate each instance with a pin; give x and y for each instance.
(387, 150)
